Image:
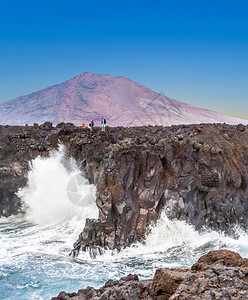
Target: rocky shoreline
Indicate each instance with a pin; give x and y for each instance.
(198, 173)
(220, 274)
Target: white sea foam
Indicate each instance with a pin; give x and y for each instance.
(177, 238)
(52, 222)
(57, 222)
(45, 194)
(34, 249)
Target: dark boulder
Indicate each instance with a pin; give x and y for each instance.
(46, 126)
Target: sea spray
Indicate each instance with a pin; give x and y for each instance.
(45, 195)
(35, 262)
(174, 238)
(168, 233)
(35, 246)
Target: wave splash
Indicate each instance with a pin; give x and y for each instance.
(34, 249)
(174, 239)
(48, 206)
(45, 196)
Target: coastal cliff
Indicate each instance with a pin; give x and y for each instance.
(197, 173)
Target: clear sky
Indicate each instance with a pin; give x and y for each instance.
(195, 51)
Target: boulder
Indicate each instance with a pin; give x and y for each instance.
(221, 257)
(166, 281)
(46, 126)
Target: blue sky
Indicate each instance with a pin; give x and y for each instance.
(193, 51)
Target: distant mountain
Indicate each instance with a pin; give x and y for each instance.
(119, 100)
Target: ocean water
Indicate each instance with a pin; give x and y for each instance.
(35, 247)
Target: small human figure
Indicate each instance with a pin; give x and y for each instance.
(91, 125)
(103, 121)
(83, 125)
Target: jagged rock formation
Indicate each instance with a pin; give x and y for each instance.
(220, 274)
(121, 101)
(198, 173)
(128, 287)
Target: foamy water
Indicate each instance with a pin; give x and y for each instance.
(34, 248)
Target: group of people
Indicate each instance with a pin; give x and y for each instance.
(91, 124)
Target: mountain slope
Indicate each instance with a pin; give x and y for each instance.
(120, 100)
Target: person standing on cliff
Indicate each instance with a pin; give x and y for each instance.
(91, 125)
(103, 122)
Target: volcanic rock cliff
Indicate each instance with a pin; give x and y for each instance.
(198, 173)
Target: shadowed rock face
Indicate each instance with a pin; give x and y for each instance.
(18, 146)
(198, 173)
(118, 99)
(220, 278)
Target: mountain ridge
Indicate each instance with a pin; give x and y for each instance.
(120, 100)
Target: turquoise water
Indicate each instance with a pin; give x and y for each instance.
(35, 263)
(35, 247)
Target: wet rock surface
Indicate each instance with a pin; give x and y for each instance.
(126, 288)
(198, 173)
(215, 281)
